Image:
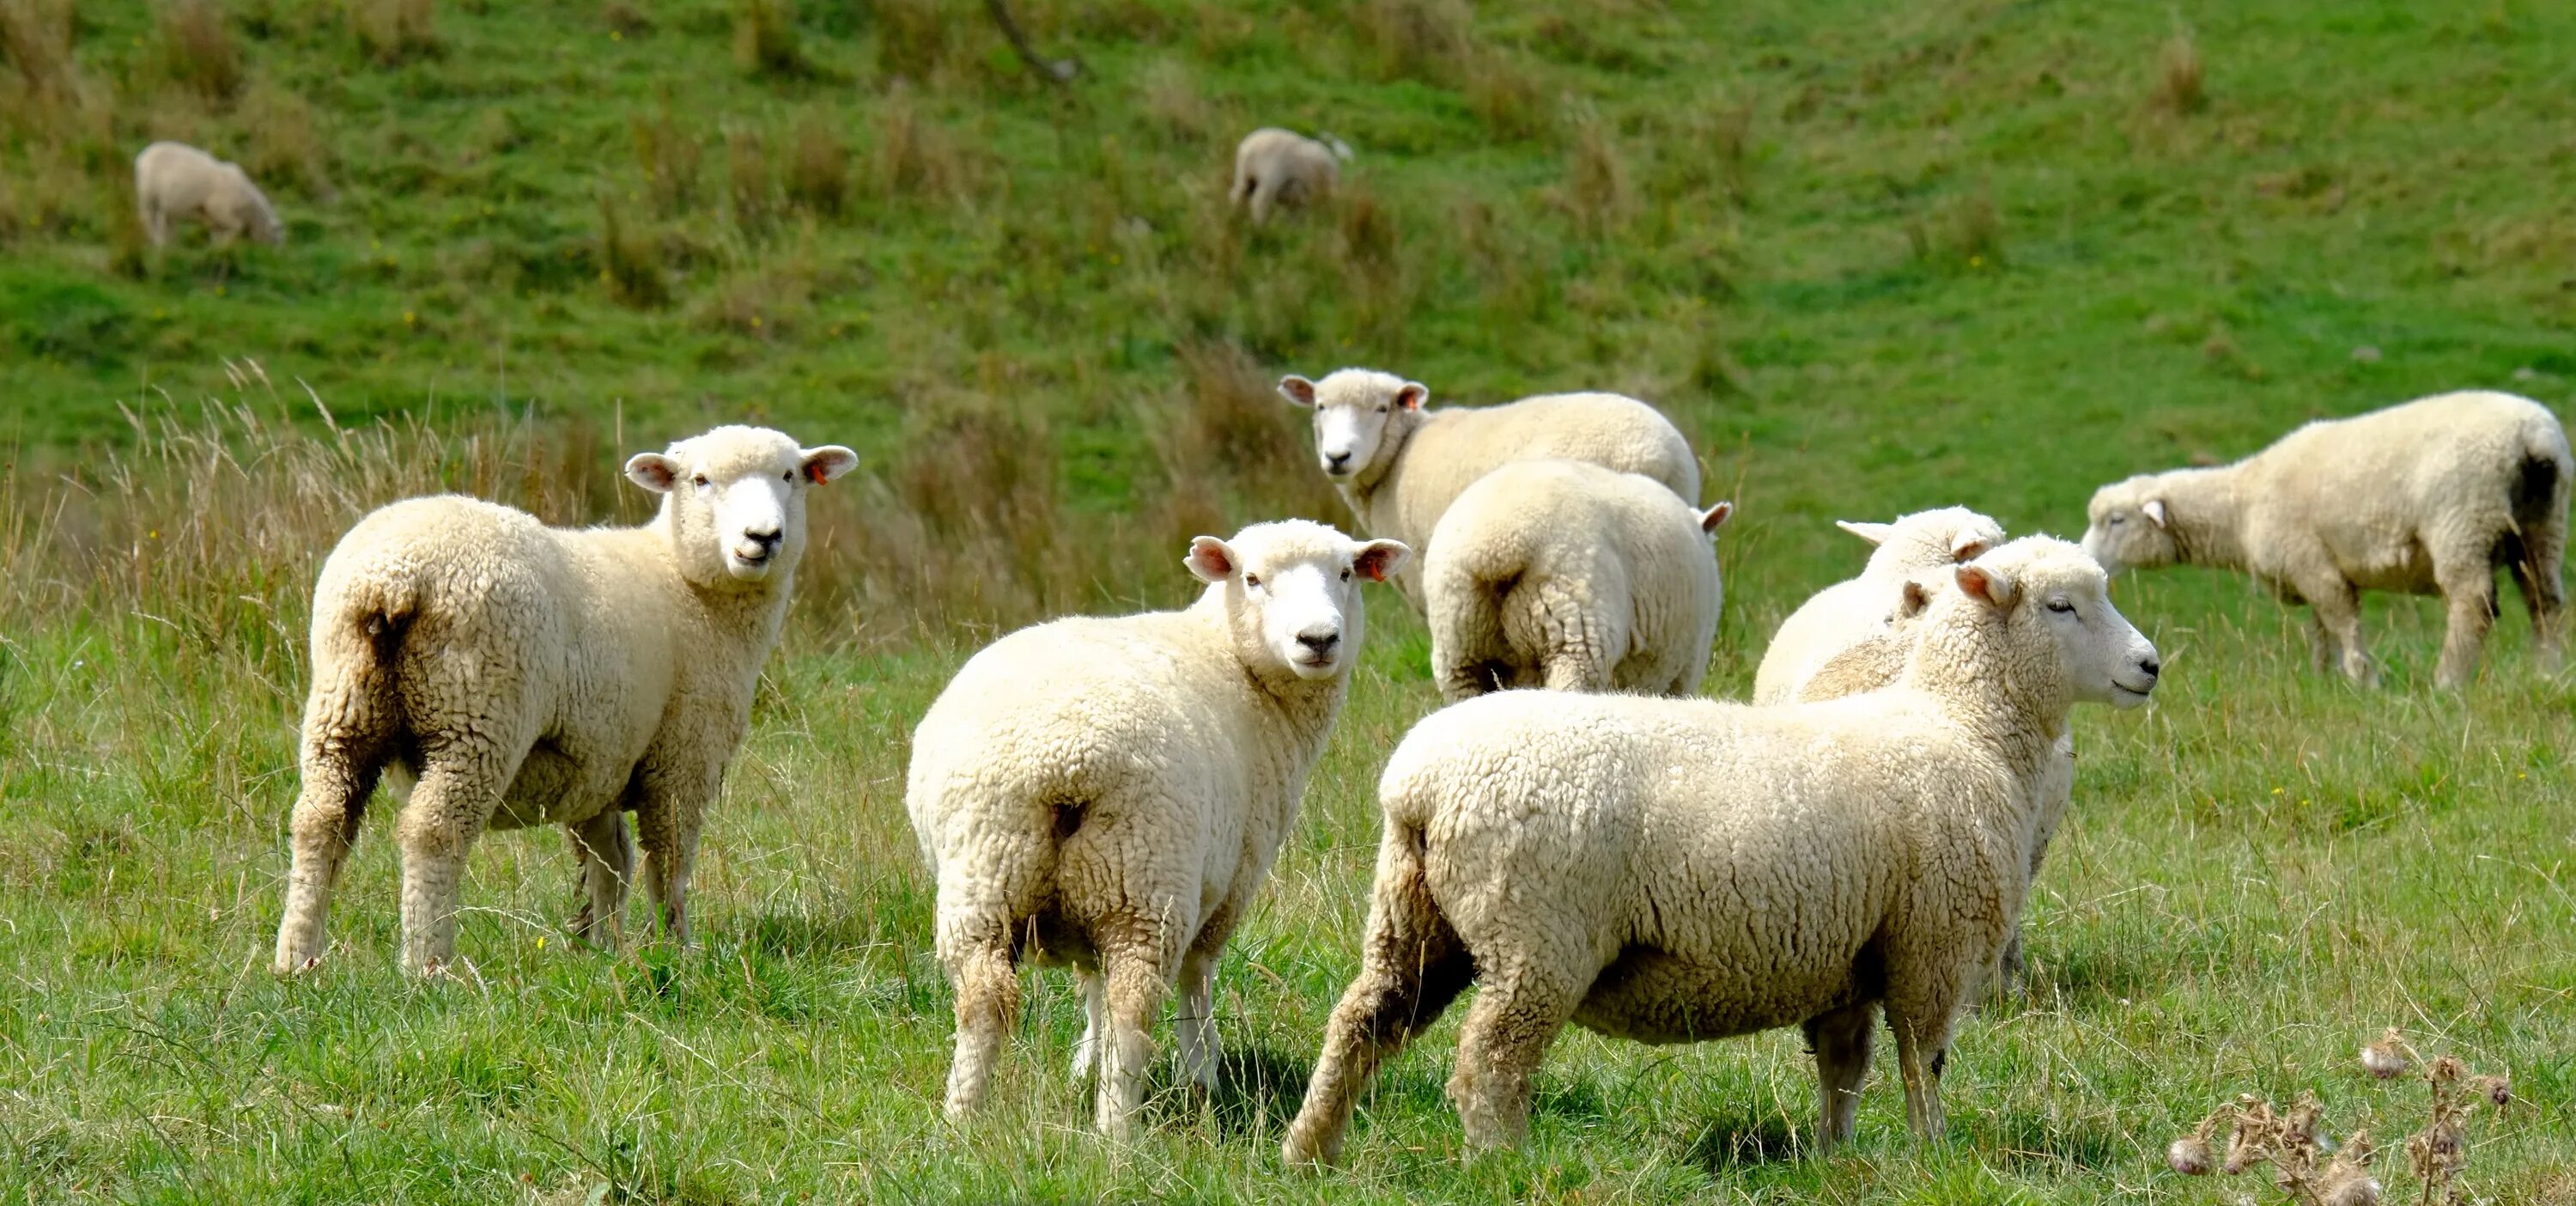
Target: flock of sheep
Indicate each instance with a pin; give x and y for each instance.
(1612, 851)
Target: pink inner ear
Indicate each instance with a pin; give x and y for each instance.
(814, 472)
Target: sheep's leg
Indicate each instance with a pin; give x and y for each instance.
(1094, 1008)
(337, 780)
(976, 952)
(1136, 983)
(1841, 1041)
(1507, 1032)
(1265, 192)
(2470, 592)
(607, 864)
(667, 820)
(456, 795)
(1194, 1024)
(1411, 967)
(2337, 606)
(2544, 593)
(1922, 1050)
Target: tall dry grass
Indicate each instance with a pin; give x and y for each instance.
(198, 51)
(213, 519)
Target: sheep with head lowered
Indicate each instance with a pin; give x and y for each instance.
(514, 674)
(1399, 464)
(1275, 168)
(1681, 870)
(2430, 496)
(1110, 793)
(1566, 575)
(1916, 546)
(176, 182)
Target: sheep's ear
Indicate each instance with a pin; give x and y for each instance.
(827, 462)
(1412, 395)
(1912, 600)
(1989, 585)
(1211, 559)
(1874, 533)
(653, 471)
(1298, 390)
(1967, 546)
(1712, 518)
(2155, 510)
(1378, 558)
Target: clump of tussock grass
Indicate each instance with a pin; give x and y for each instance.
(392, 32)
(915, 38)
(760, 305)
(1507, 96)
(818, 166)
(1595, 191)
(1418, 39)
(1961, 233)
(2179, 83)
(766, 40)
(198, 51)
(284, 145)
(751, 182)
(669, 155)
(625, 19)
(1231, 427)
(914, 154)
(2309, 1169)
(36, 43)
(630, 261)
(1168, 91)
(1706, 148)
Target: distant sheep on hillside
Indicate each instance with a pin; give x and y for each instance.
(1275, 167)
(177, 182)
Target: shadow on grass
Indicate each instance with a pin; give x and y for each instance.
(2029, 1143)
(1257, 1091)
(1734, 1144)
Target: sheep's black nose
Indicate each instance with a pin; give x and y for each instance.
(1336, 460)
(1319, 642)
(763, 539)
(2151, 666)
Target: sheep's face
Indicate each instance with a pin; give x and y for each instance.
(1927, 539)
(1293, 590)
(2054, 586)
(2126, 527)
(1353, 410)
(735, 499)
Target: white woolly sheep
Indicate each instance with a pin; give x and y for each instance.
(1275, 168)
(515, 674)
(1109, 793)
(1879, 662)
(1566, 575)
(1682, 870)
(173, 181)
(2426, 497)
(1851, 611)
(1400, 465)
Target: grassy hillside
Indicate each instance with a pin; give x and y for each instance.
(1871, 257)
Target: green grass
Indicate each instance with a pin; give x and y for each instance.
(1870, 260)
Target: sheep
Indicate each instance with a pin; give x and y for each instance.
(1680, 870)
(1110, 793)
(1851, 611)
(2424, 497)
(176, 181)
(1399, 464)
(1879, 661)
(513, 674)
(1570, 576)
(1275, 167)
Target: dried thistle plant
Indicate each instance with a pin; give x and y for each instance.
(2312, 1171)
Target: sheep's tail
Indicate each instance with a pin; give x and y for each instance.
(1341, 150)
(1470, 653)
(2541, 492)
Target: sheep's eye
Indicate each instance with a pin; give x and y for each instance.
(2117, 520)
(1252, 579)
(699, 478)
(2061, 607)
(1346, 574)
(1383, 408)
(788, 476)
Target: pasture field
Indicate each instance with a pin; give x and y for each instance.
(1872, 258)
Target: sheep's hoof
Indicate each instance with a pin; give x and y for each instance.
(292, 968)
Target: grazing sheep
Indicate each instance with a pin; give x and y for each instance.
(1275, 167)
(1879, 661)
(1566, 575)
(2430, 496)
(516, 674)
(174, 181)
(1851, 611)
(1681, 870)
(1399, 465)
(1110, 792)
